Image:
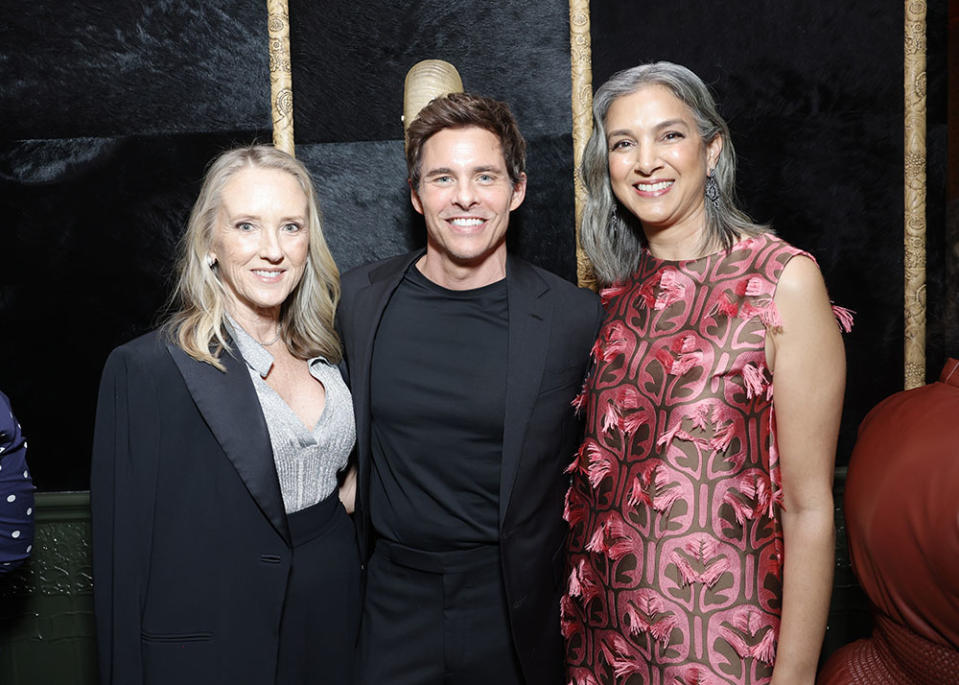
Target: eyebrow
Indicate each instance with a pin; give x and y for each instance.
(658, 127)
(442, 171)
(256, 217)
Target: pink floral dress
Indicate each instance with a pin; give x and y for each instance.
(675, 550)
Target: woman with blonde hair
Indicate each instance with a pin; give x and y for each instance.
(222, 552)
(701, 513)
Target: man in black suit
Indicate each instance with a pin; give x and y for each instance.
(464, 361)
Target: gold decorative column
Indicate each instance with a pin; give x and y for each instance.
(431, 78)
(582, 96)
(914, 256)
(281, 75)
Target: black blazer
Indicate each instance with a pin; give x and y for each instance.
(552, 326)
(190, 538)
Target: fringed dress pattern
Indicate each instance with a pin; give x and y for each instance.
(676, 550)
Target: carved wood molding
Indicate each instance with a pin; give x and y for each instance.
(914, 245)
(281, 75)
(582, 103)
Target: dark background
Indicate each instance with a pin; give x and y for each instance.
(110, 114)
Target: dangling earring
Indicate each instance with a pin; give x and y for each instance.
(712, 189)
(210, 261)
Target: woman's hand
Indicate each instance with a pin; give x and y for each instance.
(347, 491)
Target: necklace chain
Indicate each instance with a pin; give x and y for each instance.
(267, 344)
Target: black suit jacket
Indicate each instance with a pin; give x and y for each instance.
(552, 326)
(190, 539)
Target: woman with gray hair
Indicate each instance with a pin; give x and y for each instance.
(222, 552)
(701, 507)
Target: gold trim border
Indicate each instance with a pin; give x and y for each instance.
(580, 53)
(914, 153)
(281, 75)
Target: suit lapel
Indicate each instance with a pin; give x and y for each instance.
(229, 404)
(528, 340)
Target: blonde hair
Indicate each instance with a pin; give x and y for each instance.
(198, 304)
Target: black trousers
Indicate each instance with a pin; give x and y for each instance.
(322, 608)
(433, 618)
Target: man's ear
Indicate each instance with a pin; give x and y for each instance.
(414, 197)
(519, 193)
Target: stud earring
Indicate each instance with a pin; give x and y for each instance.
(210, 261)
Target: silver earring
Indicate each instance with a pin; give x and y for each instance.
(712, 189)
(210, 261)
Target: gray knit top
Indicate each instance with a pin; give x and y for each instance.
(307, 461)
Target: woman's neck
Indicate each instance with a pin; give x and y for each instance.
(262, 325)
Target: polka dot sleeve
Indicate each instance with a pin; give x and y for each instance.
(16, 492)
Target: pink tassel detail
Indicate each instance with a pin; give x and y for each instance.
(579, 402)
(612, 340)
(752, 287)
(624, 663)
(844, 317)
(670, 289)
(574, 508)
(722, 437)
(643, 484)
(581, 583)
(581, 676)
(754, 380)
(663, 628)
(629, 423)
(580, 456)
(714, 571)
(606, 295)
(704, 552)
(663, 501)
(610, 418)
(770, 318)
(686, 362)
(726, 305)
(574, 588)
(646, 292)
(599, 467)
(664, 357)
(637, 622)
(611, 539)
(666, 439)
(701, 416)
(741, 509)
(736, 641)
(766, 649)
(569, 625)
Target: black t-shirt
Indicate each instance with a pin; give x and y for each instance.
(438, 398)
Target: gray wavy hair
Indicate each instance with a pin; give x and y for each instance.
(611, 236)
(197, 319)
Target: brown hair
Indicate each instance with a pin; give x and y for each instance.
(459, 110)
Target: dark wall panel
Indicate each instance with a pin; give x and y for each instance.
(73, 69)
(350, 59)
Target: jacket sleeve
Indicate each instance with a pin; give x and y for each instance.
(16, 492)
(121, 496)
